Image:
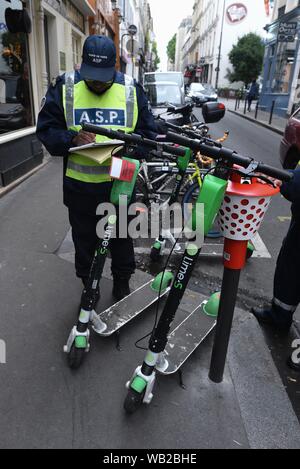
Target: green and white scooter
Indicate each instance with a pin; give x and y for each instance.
(107, 323)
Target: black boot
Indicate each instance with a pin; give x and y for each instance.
(269, 314)
(120, 288)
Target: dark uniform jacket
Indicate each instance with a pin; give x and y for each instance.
(291, 191)
(53, 133)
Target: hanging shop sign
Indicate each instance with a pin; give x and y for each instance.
(236, 13)
(287, 31)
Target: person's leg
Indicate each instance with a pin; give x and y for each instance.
(249, 103)
(123, 262)
(287, 279)
(85, 239)
(286, 282)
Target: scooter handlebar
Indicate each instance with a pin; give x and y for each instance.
(133, 139)
(218, 152)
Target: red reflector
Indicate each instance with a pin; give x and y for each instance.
(221, 106)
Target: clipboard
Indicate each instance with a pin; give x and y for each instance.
(98, 152)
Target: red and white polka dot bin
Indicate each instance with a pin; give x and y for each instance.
(243, 209)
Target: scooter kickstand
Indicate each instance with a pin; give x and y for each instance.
(180, 376)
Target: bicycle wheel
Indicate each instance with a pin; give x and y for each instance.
(142, 195)
(188, 202)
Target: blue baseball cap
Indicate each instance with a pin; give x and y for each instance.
(98, 59)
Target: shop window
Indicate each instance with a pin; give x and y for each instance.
(76, 50)
(15, 84)
(283, 69)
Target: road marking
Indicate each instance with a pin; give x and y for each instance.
(66, 250)
(283, 219)
(215, 249)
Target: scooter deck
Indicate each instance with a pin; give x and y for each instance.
(185, 338)
(119, 314)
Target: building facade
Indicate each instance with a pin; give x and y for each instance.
(281, 74)
(182, 35)
(47, 45)
(216, 27)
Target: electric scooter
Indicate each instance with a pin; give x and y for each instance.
(78, 343)
(166, 353)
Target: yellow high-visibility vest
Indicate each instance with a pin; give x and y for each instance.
(115, 109)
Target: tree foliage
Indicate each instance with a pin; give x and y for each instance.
(171, 49)
(246, 58)
(156, 60)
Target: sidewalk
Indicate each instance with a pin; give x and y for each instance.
(45, 405)
(278, 123)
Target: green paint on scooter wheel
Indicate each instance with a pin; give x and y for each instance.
(211, 308)
(138, 384)
(162, 281)
(250, 246)
(80, 342)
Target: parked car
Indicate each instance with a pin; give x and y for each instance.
(290, 143)
(202, 93)
(163, 96)
(171, 77)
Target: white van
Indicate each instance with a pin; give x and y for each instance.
(173, 77)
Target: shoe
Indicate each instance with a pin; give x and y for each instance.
(120, 288)
(267, 315)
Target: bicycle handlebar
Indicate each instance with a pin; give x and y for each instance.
(190, 133)
(219, 152)
(133, 139)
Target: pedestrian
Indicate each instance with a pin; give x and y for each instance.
(98, 94)
(286, 291)
(252, 94)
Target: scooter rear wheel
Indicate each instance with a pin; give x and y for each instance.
(133, 401)
(75, 357)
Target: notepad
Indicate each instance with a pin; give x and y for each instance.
(96, 145)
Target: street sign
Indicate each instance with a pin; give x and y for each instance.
(287, 31)
(132, 30)
(132, 47)
(202, 61)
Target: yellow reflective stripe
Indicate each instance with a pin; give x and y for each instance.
(93, 178)
(84, 161)
(80, 168)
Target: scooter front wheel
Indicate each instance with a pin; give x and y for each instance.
(155, 254)
(75, 357)
(133, 401)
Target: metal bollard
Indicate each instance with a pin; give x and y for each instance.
(256, 110)
(245, 106)
(271, 113)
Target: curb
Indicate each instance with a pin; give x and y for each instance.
(5, 190)
(262, 124)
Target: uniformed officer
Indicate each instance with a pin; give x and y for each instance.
(96, 94)
(286, 296)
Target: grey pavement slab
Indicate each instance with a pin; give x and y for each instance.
(43, 404)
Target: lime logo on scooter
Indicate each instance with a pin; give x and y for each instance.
(296, 354)
(186, 263)
(108, 233)
(2, 352)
